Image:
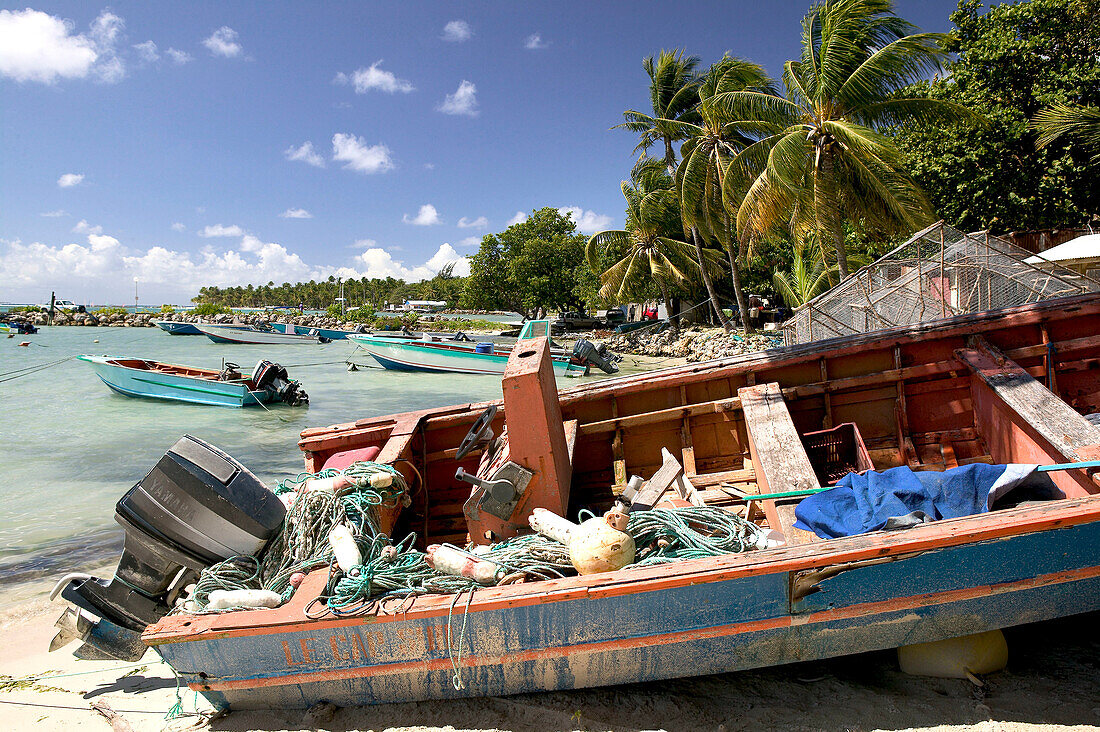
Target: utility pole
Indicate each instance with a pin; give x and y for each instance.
(53, 298)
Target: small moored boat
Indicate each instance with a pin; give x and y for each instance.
(254, 335)
(333, 334)
(138, 377)
(434, 355)
(177, 327)
(18, 327)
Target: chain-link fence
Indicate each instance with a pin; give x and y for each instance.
(938, 273)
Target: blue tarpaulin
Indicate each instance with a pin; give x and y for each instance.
(900, 497)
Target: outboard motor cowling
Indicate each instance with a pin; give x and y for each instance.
(274, 378)
(196, 507)
(601, 358)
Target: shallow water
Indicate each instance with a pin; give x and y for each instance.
(72, 447)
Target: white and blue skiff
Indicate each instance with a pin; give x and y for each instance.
(432, 355)
(138, 377)
(252, 334)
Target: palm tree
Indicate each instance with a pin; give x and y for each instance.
(808, 278)
(647, 248)
(1070, 120)
(710, 146)
(672, 93)
(828, 162)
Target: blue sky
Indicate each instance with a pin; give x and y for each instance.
(185, 144)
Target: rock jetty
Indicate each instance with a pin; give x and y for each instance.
(693, 344)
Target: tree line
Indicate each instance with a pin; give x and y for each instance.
(784, 187)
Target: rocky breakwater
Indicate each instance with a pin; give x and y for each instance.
(693, 344)
(113, 320)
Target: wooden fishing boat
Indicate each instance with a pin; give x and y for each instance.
(432, 354)
(997, 387)
(139, 377)
(253, 335)
(177, 327)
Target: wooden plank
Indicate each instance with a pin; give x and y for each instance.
(1023, 421)
(780, 461)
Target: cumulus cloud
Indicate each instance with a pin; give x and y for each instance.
(102, 267)
(358, 156)
(457, 31)
(147, 51)
(519, 218)
(534, 42)
(426, 216)
(470, 241)
(479, 223)
(178, 57)
(223, 42)
(296, 213)
(367, 79)
(305, 153)
(85, 228)
(54, 214)
(37, 46)
(68, 180)
(380, 263)
(218, 230)
(463, 101)
(178, 227)
(588, 222)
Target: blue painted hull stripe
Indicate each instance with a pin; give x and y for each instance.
(903, 604)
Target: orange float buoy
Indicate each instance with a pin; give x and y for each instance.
(601, 545)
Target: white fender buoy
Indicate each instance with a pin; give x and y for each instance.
(344, 547)
(328, 485)
(600, 545)
(451, 561)
(956, 658)
(225, 599)
(551, 525)
(381, 480)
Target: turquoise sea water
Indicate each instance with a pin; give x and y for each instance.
(71, 447)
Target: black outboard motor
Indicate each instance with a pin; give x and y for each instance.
(600, 357)
(196, 507)
(273, 377)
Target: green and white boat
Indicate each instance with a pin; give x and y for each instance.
(138, 377)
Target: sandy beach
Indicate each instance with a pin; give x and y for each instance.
(1052, 683)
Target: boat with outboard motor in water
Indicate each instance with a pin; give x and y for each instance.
(254, 335)
(434, 354)
(731, 444)
(139, 377)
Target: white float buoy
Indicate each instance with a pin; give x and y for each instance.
(225, 599)
(344, 547)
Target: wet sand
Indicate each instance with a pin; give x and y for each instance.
(1052, 683)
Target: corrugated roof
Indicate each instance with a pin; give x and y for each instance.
(1082, 248)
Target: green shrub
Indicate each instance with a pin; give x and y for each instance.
(111, 311)
(209, 308)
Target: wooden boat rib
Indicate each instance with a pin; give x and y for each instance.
(1008, 386)
(138, 377)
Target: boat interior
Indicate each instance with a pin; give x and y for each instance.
(1011, 386)
(230, 374)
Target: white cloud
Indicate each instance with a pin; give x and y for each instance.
(179, 58)
(68, 180)
(463, 101)
(374, 78)
(296, 213)
(519, 218)
(54, 214)
(426, 216)
(305, 153)
(178, 227)
(357, 155)
(36, 46)
(534, 42)
(101, 268)
(378, 262)
(429, 166)
(147, 51)
(217, 230)
(223, 42)
(470, 241)
(457, 31)
(85, 228)
(588, 222)
(479, 223)
(365, 244)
